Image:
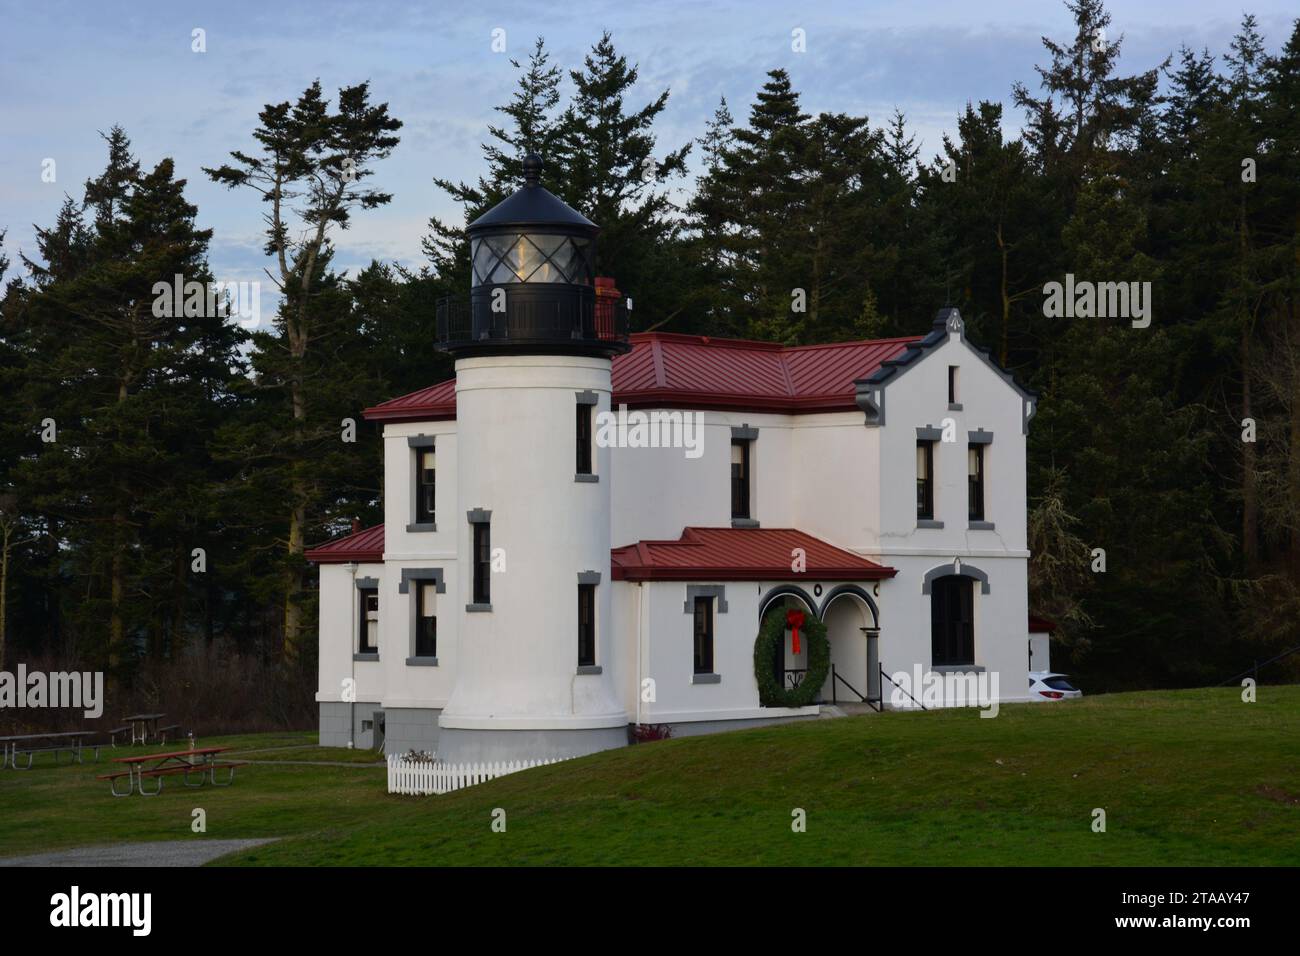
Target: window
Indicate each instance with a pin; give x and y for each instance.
(740, 479)
(952, 384)
(482, 562)
(586, 625)
(975, 481)
(924, 480)
(425, 473)
(704, 635)
(952, 620)
(368, 625)
(583, 431)
(426, 619)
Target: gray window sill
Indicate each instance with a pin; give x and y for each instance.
(928, 523)
(954, 406)
(744, 523)
(587, 479)
(589, 669)
(418, 526)
(422, 662)
(706, 678)
(366, 656)
(957, 668)
(474, 608)
(981, 526)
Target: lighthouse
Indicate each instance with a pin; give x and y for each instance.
(533, 346)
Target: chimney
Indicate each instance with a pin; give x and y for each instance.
(356, 525)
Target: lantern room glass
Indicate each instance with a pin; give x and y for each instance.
(523, 257)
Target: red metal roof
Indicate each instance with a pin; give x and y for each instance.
(665, 369)
(740, 554)
(367, 545)
(715, 554)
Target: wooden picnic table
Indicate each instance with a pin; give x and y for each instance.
(197, 760)
(143, 726)
(12, 746)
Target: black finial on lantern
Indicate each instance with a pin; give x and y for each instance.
(533, 170)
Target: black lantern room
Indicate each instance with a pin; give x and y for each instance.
(533, 286)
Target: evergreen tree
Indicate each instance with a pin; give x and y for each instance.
(310, 170)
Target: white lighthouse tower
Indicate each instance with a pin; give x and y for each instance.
(533, 350)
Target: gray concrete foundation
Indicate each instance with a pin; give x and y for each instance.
(477, 746)
(695, 728)
(334, 720)
(411, 728)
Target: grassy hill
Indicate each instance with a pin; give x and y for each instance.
(1185, 777)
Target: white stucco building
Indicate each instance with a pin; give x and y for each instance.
(542, 579)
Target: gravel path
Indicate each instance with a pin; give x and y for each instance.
(167, 853)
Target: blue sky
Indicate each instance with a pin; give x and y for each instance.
(69, 70)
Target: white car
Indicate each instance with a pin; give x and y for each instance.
(1049, 685)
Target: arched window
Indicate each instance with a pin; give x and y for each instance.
(952, 620)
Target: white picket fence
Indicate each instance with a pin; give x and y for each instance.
(421, 778)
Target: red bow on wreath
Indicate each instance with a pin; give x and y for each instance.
(795, 619)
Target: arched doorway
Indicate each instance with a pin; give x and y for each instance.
(788, 668)
(852, 621)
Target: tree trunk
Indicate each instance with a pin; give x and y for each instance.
(1249, 498)
(1249, 495)
(4, 589)
(1006, 300)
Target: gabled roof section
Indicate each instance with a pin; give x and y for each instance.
(740, 554)
(669, 370)
(366, 545)
(870, 388)
(432, 404)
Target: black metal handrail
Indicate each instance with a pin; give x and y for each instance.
(1254, 671)
(534, 319)
(885, 677)
(837, 679)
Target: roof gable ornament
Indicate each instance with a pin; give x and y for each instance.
(950, 321)
(870, 391)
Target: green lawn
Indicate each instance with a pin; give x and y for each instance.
(1186, 778)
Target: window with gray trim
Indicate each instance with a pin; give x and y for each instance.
(702, 621)
(975, 481)
(423, 483)
(952, 620)
(368, 622)
(481, 558)
(426, 619)
(423, 585)
(740, 477)
(924, 479)
(586, 625)
(584, 408)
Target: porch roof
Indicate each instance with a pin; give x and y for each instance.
(364, 545)
(741, 554)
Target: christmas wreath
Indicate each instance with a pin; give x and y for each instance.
(770, 641)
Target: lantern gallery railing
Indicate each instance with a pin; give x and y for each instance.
(533, 320)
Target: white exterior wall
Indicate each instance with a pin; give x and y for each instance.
(407, 685)
(827, 474)
(918, 398)
(517, 668)
(339, 612)
(668, 657)
(659, 491)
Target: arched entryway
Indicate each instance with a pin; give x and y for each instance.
(852, 622)
(787, 667)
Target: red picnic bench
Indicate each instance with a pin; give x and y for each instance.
(199, 760)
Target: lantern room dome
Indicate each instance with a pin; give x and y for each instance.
(533, 205)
